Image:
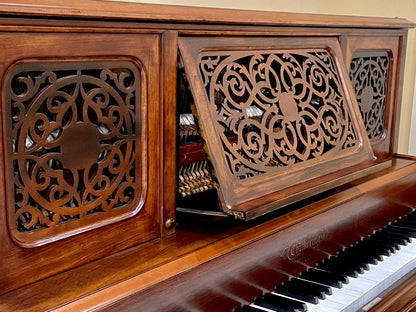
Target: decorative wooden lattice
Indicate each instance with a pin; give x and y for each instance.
(74, 145)
(272, 117)
(369, 78)
(302, 116)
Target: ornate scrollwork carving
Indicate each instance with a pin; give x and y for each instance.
(368, 74)
(73, 137)
(302, 112)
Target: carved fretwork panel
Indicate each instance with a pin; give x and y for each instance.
(272, 116)
(302, 115)
(369, 78)
(73, 146)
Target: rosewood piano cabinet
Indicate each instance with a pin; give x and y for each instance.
(167, 158)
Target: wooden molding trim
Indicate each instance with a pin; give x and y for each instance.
(150, 12)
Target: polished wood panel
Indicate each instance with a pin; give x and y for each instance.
(158, 249)
(146, 12)
(200, 240)
(306, 114)
(72, 165)
(261, 265)
(383, 143)
(398, 297)
(167, 127)
(25, 265)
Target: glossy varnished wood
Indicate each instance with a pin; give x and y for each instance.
(110, 279)
(382, 146)
(145, 257)
(167, 127)
(117, 10)
(399, 297)
(273, 259)
(25, 265)
(271, 153)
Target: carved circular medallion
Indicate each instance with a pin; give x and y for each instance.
(369, 78)
(288, 106)
(367, 99)
(300, 111)
(80, 145)
(74, 145)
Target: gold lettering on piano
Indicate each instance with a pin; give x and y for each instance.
(293, 251)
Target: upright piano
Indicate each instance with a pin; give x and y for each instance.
(168, 158)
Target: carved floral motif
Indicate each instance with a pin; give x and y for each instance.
(368, 74)
(73, 137)
(299, 100)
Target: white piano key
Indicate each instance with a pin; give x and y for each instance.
(329, 304)
(261, 308)
(368, 285)
(320, 308)
(316, 307)
(360, 284)
(410, 248)
(376, 274)
(351, 292)
(364, 288)
(341, 297)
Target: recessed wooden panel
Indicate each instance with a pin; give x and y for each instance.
(272, 114)
(81, 120)
(373, 64)
(369, 78)
(74, 149)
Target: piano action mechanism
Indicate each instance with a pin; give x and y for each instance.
(164, 158)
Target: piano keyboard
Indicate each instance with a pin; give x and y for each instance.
(355, 276)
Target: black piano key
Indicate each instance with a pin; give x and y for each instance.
(297, 294)
(320, 290)
(314, 284)
(354, 257)
(390, 238)
(369, 245)
(339, 267)
(325, 278)
(361, 259)
(393, 238)
(410, 221)
(377, 250)
(406, 222)
(406, 230)
(396, 233)
(411, 216)
(367, 248)
(278, 303)
(248, 308)
(368, 255)
(391, 246)
(301, 290)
